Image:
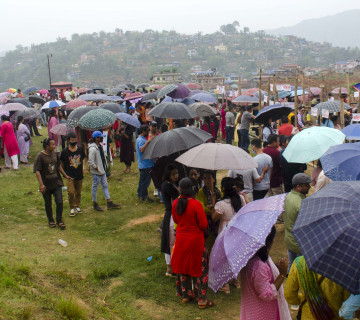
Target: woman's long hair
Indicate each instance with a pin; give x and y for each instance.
(186, 191)
(167, 172)
(19, 120)
(263, 253)
(229, 192)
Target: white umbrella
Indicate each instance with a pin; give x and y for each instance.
(13, 107)
(217, 156)
(52, 104)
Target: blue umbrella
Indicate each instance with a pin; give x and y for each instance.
(327, 230)
(352, 132)
(52, 104)
(284, 94)
(275, 112)
(299, 93)
(204, 97)
(341, 162)
(188, 101)
(247, 99)
(129, 119)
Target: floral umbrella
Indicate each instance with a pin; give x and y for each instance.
(97, 119)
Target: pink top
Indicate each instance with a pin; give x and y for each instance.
(258, 292)
(226, 211)
(52, 123)
(9, 139)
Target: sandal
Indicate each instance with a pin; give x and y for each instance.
(61, 225)
(208, 304)
(52, 224)
(187, 300)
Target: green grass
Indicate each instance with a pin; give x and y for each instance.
(103, 273)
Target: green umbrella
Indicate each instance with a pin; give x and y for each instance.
(97, 119)
(310, 144)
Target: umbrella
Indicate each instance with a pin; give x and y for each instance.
(203, 109)
(31, 90)
(75, 116)
(37, 99)
(194, 92)
(25, 101)
(43, 91)
(246, 98)
(284, 94)
(115, 98)
(316, 91)
(173, 110)
(94, 97)
(204, 97)
(193, 86)
(242, 238)
(130, 86)
(29, 113)
(188, 101)
(332, 106)
(327, 230)
(341, 162)
(61, 129)
(175, 140)
(81, 90)
(118, 89)
(113, 107)
(129, 119)
(299, 93)
(310, 144)
(336, 90)
(156, 86)
(352, 132)
(4, 96)
(52, 104)
(73, 104)
(141, 86)
(149, 96)
(180, 92)
(13, 107)
(166, 90)
(11, 90)
(217, 156)
(99, 88)
(97, 119)
(275, 112)
(133, 96)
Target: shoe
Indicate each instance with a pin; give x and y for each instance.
(225, 288)
(72, 213)
(97, 207)
(78, 210)
(156, 193)
(112, 205)
(235, 283)
(147, 200)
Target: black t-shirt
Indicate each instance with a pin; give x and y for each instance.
(47, 165)
(170, 193)
(72, 162)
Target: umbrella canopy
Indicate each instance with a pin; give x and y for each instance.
(73, 104)
(244, 235)
(166, 90)
(52, 104)
(61, 129)
(129, 119)
(81, 90)
(25, 101)
(75, 116)
(97, 119)
(341, 162)
(327, 230)
(173, 110)
(113, 107)
(37, 99)
(342, 90)
(299, 93)
(246, 98)
(275, 112)
(310, 144)
(204, 97)
(193, 86)
(98, 88)
(133, 96)
(94, 97)
(29, 113)
(11, 90)
(13, 107)
(315, 91)
(352, 132)
(332, 106)
(43, 91)
(217, 156)
(115, 98)
(188, 101)
(180, 92)
(156, 86)
(4, 96)
(31, 90)
(149, 96)
(194, 92)
(142, 86)
(284, 94)
(175, 140)
(203, 109)
(130, 86)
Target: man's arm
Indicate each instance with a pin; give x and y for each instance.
(143, 148)
(39, 179)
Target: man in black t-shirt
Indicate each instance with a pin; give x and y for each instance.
(72, 162)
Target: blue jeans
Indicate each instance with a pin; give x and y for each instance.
(229, 134)
(97, 179)
(144, 182)
(245, 141)
(292, 256)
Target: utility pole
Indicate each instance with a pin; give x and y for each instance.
(48, 58)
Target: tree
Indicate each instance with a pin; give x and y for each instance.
(246, 30)
(228, 29)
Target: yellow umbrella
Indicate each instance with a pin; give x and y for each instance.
(11, 90)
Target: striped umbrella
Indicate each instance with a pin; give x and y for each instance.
(61, 129)
(75, 116)
(73, 104)
(97, 119)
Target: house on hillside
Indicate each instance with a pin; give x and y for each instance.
(221, 48)
(192, 53)
(208, 79)
(61, 85)
(345, 66)
(166, 78)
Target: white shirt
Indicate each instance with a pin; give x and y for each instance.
(67, 95)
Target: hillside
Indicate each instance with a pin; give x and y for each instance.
(340, 29)
(108, 59)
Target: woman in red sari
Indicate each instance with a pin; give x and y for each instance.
(189, 259)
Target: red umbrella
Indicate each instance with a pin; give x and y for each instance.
(133, 96)
(81, 90)
(193, 86)
(43, 91)
(336, 90)
(76, 103)
(61, 130)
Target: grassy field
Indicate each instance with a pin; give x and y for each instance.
(103, 273)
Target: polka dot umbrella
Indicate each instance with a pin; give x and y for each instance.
(97, 119)
(76, 115)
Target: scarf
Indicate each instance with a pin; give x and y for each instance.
(314, 295)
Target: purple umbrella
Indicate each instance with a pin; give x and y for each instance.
(204, 97)
(242, 238)
(180, 92)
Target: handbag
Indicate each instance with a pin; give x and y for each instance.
(27, 138)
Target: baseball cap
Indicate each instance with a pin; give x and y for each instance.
(301, 178)
(132, 108)
(97, 134)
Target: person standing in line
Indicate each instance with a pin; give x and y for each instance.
(229, 125)
(72, 158)
(286, 128)
(53, 121)
(246, 117)
(98, 168)
(47, 169)
(9, 143)
(23, 139)
(263, 160)
(276, 180)
(300, 118)
(126, 145)
(145, 165)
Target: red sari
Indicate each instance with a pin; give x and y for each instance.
(190, 240)
(9, 139)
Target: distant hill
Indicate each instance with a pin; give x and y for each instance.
(340, 29)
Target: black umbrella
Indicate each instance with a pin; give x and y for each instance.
(142, 86)
(149, 96)
(24, 101)
(203, 109)
(173, 110)
(275, 112)
(75, 116)
(113, 107)
(37, 99)
(174, 141)
(99, 88)
(31, 90)
(30, 113)
(130, 86)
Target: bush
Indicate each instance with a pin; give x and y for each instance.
(105, 272)
(71, 310)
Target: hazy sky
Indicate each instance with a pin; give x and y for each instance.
(36, 21)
